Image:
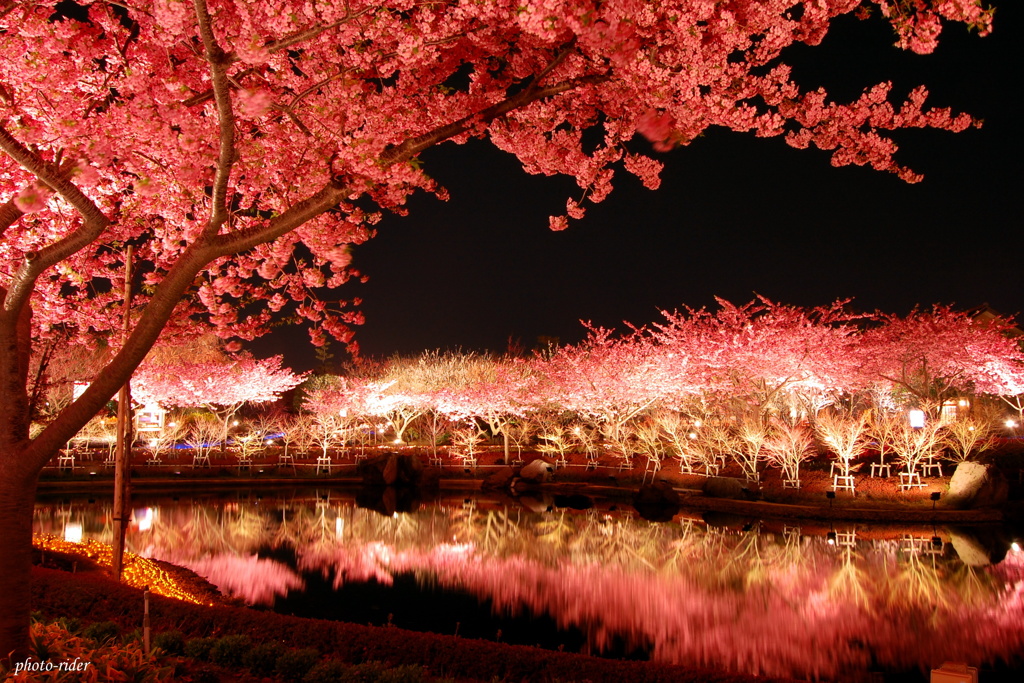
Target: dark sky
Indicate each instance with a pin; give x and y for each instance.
(735, 215)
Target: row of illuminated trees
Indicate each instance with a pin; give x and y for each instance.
(753, 385)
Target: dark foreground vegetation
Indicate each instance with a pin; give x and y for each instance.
(225, 643)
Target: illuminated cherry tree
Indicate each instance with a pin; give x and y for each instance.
(764, 353)
(222, 385)
(929, 356)
(240, 149)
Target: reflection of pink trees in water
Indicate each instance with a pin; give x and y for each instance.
(351, 564)
(785, 605)
(803, 629)
(257, 581)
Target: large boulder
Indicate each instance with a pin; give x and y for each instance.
(977, 485)
(391, 469)
(724, 487)
(537, 471)
(980, 546)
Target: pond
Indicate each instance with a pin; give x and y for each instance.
(758, 596)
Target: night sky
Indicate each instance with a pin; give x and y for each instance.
(735, 215)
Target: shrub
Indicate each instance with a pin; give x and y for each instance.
(230, 650)
(406, 673)
(171, 642)
(116, 661)
(199, 648)
(262, 659)
(293, 665)
(330, 671)
(101, 631)
(367, 672)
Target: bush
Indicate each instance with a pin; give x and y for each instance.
(293, 665)
(406, 673)
(116, 661)
(229, 651)
(367, 672)
(69, 624)
(330, 671)
(171, 642)
(101, 632)
(199, 648)
(262, 659)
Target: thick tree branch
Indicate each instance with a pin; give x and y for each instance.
(93, 224)
(240, 240)
(332, 193)
(218, 61)
(145, 332)
(276, 46)
(9, 213)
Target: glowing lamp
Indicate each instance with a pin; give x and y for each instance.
(144, 518)
(916, 418)
(1011, 424)
(1015, 547)
(831, 538)
(73, 532)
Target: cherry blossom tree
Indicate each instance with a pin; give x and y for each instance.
(787, 446)
(240, 148)
(763, 352)
(497, 391)
(966, 438)
(222, 385)
(927, 357)
(844, 435)
(607, 379)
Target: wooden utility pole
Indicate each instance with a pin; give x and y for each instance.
(122, 472)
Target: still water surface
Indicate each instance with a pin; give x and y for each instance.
(754, 596)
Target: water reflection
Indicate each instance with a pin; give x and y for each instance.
(762, 598)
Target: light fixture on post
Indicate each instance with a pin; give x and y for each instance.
(916, 418)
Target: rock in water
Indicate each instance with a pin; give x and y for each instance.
(537, 471)
(977, 485)
(657, 502)
(391, 469)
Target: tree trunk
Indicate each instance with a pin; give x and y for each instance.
(17, 503)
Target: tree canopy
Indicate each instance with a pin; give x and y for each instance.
(242, 147)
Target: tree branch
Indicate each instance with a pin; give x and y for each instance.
(145, 332)
(9, 213)
(332, 193)
(94, 222)
(218, 61)
(311, 32)
(414, 146)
